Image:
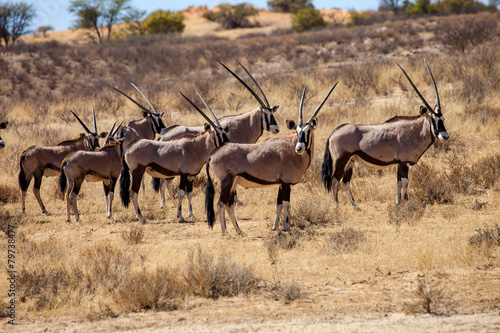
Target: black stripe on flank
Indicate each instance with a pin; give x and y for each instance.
(373, 160)
(159, 169)
(256, 180)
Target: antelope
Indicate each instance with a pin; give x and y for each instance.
(281, 160)
(36, 161)
(151, 124)
(401, 140)
(3, 125)
(183, 157)
(94, 166)
(244, 128)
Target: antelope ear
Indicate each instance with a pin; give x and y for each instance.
(145, 114)
(314, 122)
(103, 135)
(4, 124)
(423, 110)
(290, 124)
(275, 108)
(207, 127)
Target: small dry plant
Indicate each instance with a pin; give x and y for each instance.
(211, 278)
(285, 292)
(345, 241)
(486, 238)
(409, 212)
(430, 186)
(143, 290)
(429, 299)
(134, 235)
(8, 193)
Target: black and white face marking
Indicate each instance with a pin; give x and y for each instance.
(268, 121)
(2, 143)
(437, 124)
(93, 139)
(158, 124)
(303, 134)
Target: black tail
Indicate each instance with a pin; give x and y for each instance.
(327, 168)
(23, 184)
(156, 184)
(63, 181)
(125, 183)
(209, 199)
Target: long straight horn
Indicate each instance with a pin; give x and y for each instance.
(201, 112)
(94, 121)
(302, 105)
(322, 103)
(244, 84)
(209, 109)
(416, 90)
(110, 134)
(133, 100)
(438, 111)
(256, 84)
(147, 100)
(81, 122)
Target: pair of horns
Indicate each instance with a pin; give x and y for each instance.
(112, 132)
(215, 124)
(137, 103)
(438, 106)
(264, 104)
(319, 107)
(83, 124)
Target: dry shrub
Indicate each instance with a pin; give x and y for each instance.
(134, 235)
(487, 171)
(209, 277)
(281, 240)
(460, 178)
(106, 266)
(486, 237)
(408, 212)
(429, 299)
(8, 193)
(286, 293)
(429, 185)
(345, 241)
(461, 34)
(143, 290)
(7, 219)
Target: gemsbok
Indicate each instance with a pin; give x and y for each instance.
(95, 166)
(37, 162)
(3, 125)
(244, 128)
(401, 140)
(280, 160)
(182, 157)
(152, 122)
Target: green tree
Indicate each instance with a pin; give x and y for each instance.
(15, 19)
(163, 22)
(231, 17)
(43, 29)
(459, 6)
(134, 17)
(289, 6)
(419, 7)
(306, 19)
(394, 6)
(98, 14)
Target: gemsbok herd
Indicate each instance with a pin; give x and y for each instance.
(228, 147)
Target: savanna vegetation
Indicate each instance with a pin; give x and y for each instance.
(439, 253)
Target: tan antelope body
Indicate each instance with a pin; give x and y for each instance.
(182, 157)
(400, 140)
(37, 162)
(95, 166)
(281, 160)
(3, 125)
(243, 128)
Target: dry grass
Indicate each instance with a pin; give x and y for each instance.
(348, 262)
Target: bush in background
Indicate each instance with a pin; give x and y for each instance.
(306, 19)
(231, 17)
(164, 22)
